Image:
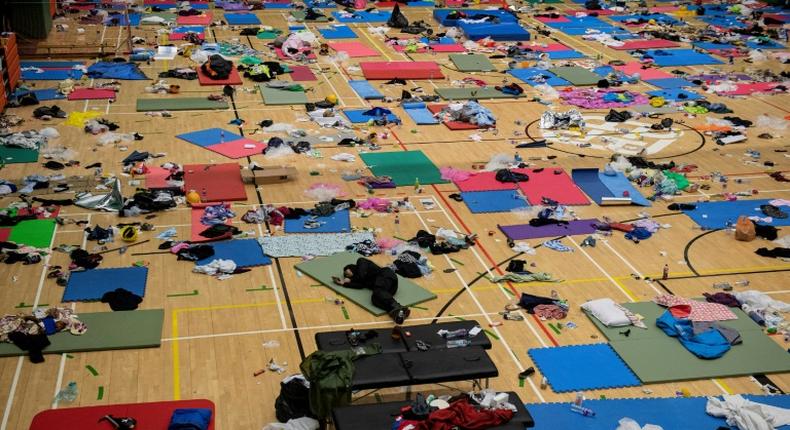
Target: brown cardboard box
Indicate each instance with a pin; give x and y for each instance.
(269, 175)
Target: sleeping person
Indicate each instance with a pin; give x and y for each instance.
(381, 280)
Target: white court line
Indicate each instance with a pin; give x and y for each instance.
(276, 289)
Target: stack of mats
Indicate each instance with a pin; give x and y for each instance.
(322, 269)
(383, 70)
(714, 215)
(215, 182)
(583, 367)
(506, 29)
(243, 252)
(494, 201)
(668, 413)
(51, 70)
(90, 285)
(154, 415)
(106, 331)
(571, 228)
(556, 51)
(608, 190)
(180, 104)
(680, 57)
(419, 113)
(647, 352)
(224, 142)
(404, 167)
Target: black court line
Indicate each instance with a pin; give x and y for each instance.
(688, 247)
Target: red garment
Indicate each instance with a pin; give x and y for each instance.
(462, 415)
(626, 228)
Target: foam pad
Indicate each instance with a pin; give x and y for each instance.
(338, 222)
(337, 32)
(90, 285)
(713, 215)
(365, 90)
(670, 83)
(404, 167)
(48, 94)
(204, 19)
(474, 93)
(675, 94)
(751, 88)
(233, 79)
(354, 49)
(278, 97)
(503, 31)
(572, 228)
(154, 415)
(363, 16)
(215, 182)
(180, 104)
(494, 201)
(680, 57)
(553, 183)
(419, 113)
(242, 19)
(564, 55)
(600, 187)
(583, 367)
(472, 63)
(209, 136)
(302, 73)
(357, 116)
(33, 232)
(323, 268)
(383, 70)
(12, 155)
(243, 252)
(646, 352)
(156, 177)
(238, 148)
(576, 75)
(484, 181)
(51, 75)
(635, 67)
(197, 227)
(534, 76)
(51, 64)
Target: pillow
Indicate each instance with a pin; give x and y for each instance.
(607, 312)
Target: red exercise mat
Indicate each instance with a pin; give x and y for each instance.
(157, 177)
(549, 20)
(302, 73)
(629, 45)
(238, 148)
(180, 36)
(484, 181)
(354, 49)
(756, 87)
(149, 416)
(384, 70)
(204, 19)
(550, 47)
(92, 94)
(233, 79)
(215, 182)
(452, 125)
(197, 227)
(553, 183)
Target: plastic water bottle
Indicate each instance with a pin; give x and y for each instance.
(587, 412)
(455, 334)
(458, 343)
(68, 394)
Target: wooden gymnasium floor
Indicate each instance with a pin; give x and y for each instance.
(212, 340)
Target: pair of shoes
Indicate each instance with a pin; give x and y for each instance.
(400, 314)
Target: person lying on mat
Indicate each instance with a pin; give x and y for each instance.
(381, 280)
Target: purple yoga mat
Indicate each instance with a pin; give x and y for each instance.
(526, 231)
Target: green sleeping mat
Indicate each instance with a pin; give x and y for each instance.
(106, 331)
(183, 103)
(472, 63)
(300, 16)
(655, 357)
(405, 167)
(278, 97)
(473, 93)
(323, 268)
(576, 75)
(12, 155)
(34, 232)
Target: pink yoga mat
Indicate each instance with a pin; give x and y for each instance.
(437, 47)
(484, 181)
(91, 94)
(646, 44)
(635, 67)
(383, 70)
(552, 183)
(547, 20)
(526, 231)
(233, 79)
(236, 149)
(756, 87)
(354, 49)
(302, 73)
(204, 19)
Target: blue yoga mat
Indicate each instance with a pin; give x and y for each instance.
(583, 367)
(363, 16)
(493, 201)
(564, 55)
(712, 215)
(242, 19)
(243, 252)
(712, 45)
(589, 181)
(658, 17)
(366, 90)
(199, 6)
(189, 28)
(420, 114)
(209, 136)
(120, 19)
(90, 285)
(357, 116)
(669, 413)
(273, 5)
(441, 15)
(42, 95)
(669, 83)
(618, 184)
(675, 94)
(338, 32)
(527, 75)
(680, 57)
(51, 64)
(51, 75)
(504, 31)
(769, 44)
(338, 222)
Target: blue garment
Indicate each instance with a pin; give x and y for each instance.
(709, 344)
(638, 233)
(110, 70)
(190, 419)
(49, 326)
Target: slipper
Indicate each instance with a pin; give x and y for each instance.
(457, 197)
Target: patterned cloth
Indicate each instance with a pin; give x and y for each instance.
(700, 311)
(316, 244)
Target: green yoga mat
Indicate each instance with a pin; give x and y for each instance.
(34, 232)
(473, 93)
(183, 103)
(106, 331)
(655, 357)
(323, 268)
(268, 35)
(276, 97)
(576, 75)
(405, 167)
(12, 155)
(472, 63)
(300, 16)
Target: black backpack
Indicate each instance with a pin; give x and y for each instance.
(293, 401)
(217, 68)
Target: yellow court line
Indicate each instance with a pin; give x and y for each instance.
(625, 290)
(724, 386)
